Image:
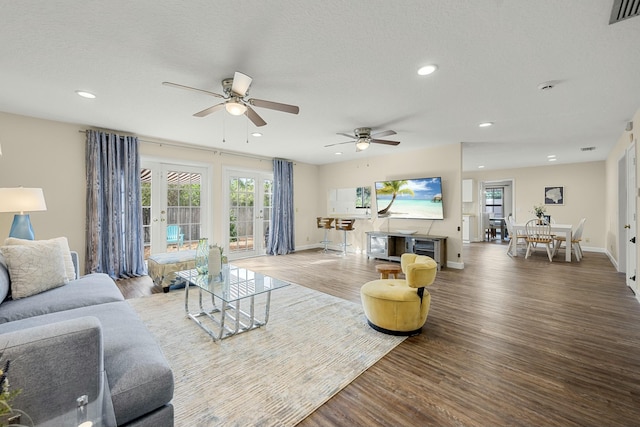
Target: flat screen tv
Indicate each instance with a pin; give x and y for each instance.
(419, 198)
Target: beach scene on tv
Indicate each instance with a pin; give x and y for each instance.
(410, 198)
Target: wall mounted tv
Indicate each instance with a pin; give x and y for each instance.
(410, 198)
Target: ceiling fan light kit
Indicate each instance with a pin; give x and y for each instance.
(235, 108)
(363, 138)
(235, 91)
(362, 144)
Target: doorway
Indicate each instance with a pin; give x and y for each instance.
(174, 206)
(627, 261)
(249, 196)
(496, 201)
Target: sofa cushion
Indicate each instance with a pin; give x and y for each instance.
(140, 379)
(5, 283)
(34, 268)
(92, 289)
(64, 245)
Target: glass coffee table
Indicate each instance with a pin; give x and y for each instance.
(233, 287)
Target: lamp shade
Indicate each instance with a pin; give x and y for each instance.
(235, 108)
(362, 144)
(22, 200)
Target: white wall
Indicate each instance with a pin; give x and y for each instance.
(51, 155)
(48, 155)
(444, 161)
(585, 195)
(611, 225)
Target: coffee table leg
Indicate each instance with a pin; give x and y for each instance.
(266, 308)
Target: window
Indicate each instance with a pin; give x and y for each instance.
(493, 201)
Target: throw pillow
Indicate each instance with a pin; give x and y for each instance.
(5, 282)
(64, 244)
(34, 268)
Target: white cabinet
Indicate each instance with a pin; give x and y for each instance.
(465, 228)
(469, 228)
(467, 190)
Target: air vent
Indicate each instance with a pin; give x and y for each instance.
(587, 148)
(623, 9)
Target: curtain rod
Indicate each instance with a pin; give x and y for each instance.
(185, 145)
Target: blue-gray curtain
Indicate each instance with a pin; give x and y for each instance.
(282, 237)
(115, 243)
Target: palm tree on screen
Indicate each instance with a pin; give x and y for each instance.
(394, 188)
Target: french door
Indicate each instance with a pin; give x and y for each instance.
(174, 208)
(248, 199)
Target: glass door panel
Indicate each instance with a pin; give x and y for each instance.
(172, 207)
(249, 200)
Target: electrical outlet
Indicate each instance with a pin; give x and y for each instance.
(587, 239)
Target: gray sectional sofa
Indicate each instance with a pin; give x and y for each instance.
(83, 338)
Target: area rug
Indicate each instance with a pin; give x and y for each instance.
(312, 347)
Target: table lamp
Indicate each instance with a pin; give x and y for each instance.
(22, 200)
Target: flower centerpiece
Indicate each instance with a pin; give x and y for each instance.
(539, 210)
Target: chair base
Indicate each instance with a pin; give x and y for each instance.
(396, 333)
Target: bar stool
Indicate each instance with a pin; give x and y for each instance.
(345, 224)
(326, 224)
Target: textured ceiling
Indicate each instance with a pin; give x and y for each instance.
(346, 64)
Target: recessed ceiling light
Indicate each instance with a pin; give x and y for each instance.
(427, 69)
(553, 159)
(551, 156)
(85, 94)
(339, 153)
(485, 124)
(256, 134)
(481, 167)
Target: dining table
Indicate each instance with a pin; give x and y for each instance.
(566, 229)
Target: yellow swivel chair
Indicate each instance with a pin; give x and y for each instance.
(400, 306)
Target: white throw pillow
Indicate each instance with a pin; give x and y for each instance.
(34, 268)
(64, 245)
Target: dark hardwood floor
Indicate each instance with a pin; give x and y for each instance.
(508, 342)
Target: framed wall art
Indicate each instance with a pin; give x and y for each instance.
(554, 195)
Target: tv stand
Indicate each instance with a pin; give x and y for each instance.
(390, 246)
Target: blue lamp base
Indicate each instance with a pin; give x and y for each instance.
(21, 227)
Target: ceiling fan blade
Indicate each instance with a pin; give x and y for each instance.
(275, 106)
(254, 117)
(346, 134)
(383, 133)
(340, 143)
(241, 83)
(384, 141)
(217, 95)
(209, 110)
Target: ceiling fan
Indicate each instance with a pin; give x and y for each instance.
(235, 91)
(363, 137)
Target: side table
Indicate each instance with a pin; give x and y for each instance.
(388, 269)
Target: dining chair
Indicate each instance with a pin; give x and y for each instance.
(576, 237)
(488, 226)
(538, 232)
(514, 236)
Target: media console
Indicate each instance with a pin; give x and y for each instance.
(391, 246)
